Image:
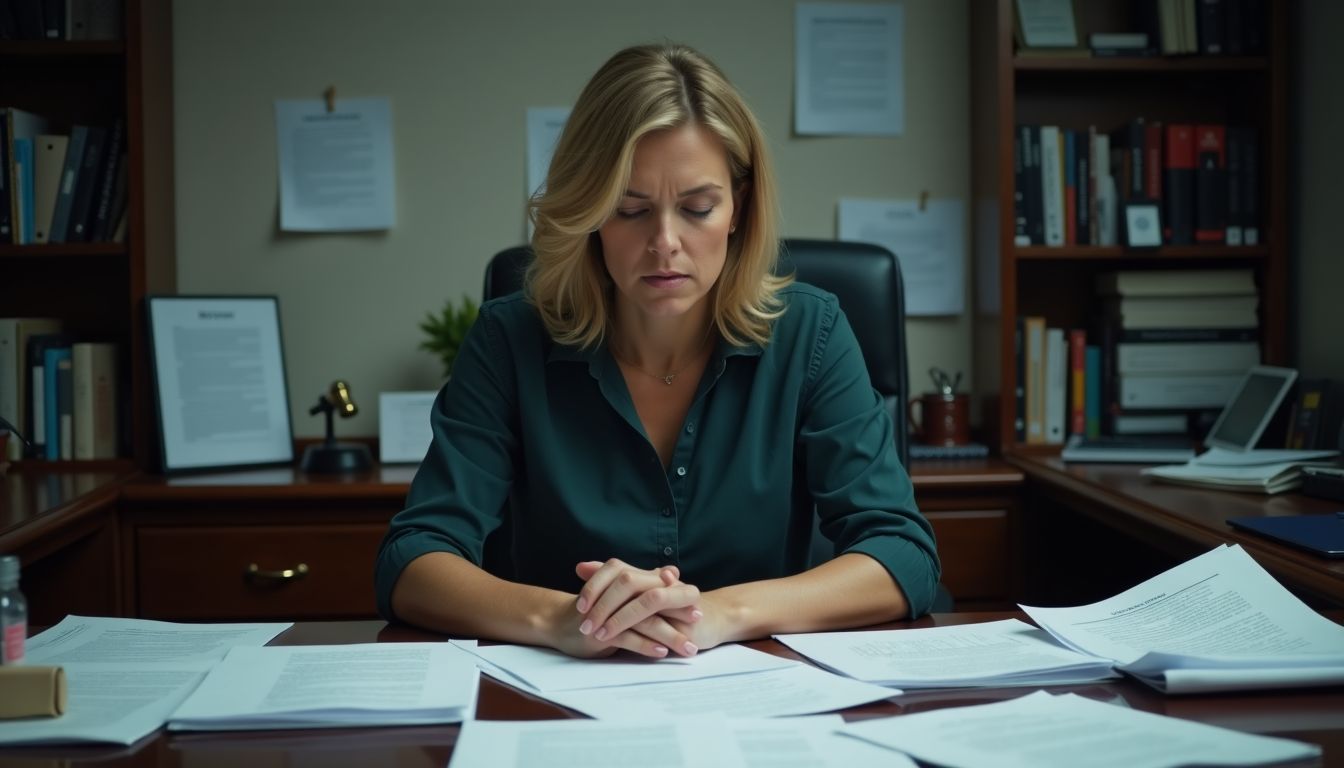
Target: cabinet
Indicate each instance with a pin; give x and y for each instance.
(96, 288)
(1056, 282)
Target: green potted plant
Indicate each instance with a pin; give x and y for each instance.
(447, 329)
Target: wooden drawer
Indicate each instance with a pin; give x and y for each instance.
(973, 546)
(191, 573)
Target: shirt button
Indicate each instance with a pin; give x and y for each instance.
(681, 471)
(690, 428)
(667, 511)
(667, 551)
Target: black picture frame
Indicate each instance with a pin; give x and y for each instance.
(1143, 224)
(220, 391)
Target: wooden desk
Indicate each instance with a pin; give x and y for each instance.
(1310, 715)
(1175, 520)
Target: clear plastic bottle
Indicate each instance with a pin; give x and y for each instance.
(13, 612)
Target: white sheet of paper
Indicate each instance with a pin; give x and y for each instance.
(796, 690)
(1219, 612)
(997, 653)
(404, 433)
(332, 685)
(131, 641)
(336, 168)
(849, 70)
(548, 670)
(544, 126)
(930, 244)
(695, 741)
(1041, 731)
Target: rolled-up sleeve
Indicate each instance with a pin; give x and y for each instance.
(457, 496)
(863, 495)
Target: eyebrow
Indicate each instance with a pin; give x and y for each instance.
(693, 191)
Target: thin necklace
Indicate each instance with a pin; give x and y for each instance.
(668, 377)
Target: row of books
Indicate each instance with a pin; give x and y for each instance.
(61, 392)
(60, 19)
(1069, 184)
(1164, 356)
(1208, 27)
(61, 187)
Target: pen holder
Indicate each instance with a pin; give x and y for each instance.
(943, 419)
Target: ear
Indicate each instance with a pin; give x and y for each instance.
(739, 197)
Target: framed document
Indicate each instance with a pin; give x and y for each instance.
(404, 433)
(219, 382)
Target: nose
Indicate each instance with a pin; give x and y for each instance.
(665, 240)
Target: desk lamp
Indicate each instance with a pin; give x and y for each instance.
(332, 457)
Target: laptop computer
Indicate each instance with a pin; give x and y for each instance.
(1322, 534)
(1240, 424)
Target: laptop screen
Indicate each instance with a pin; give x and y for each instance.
(1244, 419)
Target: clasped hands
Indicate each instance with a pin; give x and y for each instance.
(649, 612)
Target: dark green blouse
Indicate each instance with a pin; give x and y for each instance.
(546, 436)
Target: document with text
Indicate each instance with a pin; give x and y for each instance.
(316, 686)
(997, 653)
(125, 641)
(693, 742)
(1042, 730)
(1216, 622)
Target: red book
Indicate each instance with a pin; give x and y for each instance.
(1210, 184)
(1077, 380)
(1152, 161)
(1178, 228)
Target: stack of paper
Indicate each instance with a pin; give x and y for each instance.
(318, 686)
(1217, 622)
(1262, 471)
(125, 676)
(1041, 730)
(732, 680)
(999, 653)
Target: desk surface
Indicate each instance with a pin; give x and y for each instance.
(1313, 715)
(1116, 495)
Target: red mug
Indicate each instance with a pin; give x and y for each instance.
(943, 419)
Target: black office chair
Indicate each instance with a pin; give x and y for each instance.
(867, 281)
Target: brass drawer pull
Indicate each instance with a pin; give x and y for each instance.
(254, 573)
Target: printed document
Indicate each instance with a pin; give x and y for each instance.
(997, 653)
(1217, 622)
(692, 742)
(1041, 730)
(366, 684)
(125, 676)
(336, 167)
(929, 241)
(849, 73)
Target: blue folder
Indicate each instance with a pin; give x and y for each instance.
(1322, 534)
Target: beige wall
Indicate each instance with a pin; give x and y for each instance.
(1318, 128)
(460, 76)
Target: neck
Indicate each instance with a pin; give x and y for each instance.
(661, 344)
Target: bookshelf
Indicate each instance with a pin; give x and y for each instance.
(1075, 91)
(96, 289)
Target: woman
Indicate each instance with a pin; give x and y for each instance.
(657, 417)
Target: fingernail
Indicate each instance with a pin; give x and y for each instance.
(585, 627)
(659, 650)
(582, 605)
(602, 633)
(689, 648)
(697, 615)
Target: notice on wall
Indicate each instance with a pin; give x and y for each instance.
(849, 74)
(928, 239)
(336, 169)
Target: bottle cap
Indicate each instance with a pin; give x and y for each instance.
(9, 569)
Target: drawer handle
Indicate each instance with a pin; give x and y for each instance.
(255, 573)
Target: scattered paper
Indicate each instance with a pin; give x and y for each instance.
(404, 433)
(930, 244)
(849, 76)
(336, 168)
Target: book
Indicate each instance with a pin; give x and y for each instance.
(65, 406)
(95, 400)
(1056, 385)
(1235, 178)
(1177, 282)
(1178, 225)
(1217, 622)
(36, 394)
(1210, 390)
(65, 195)
(15, 333)
(1077, 382)
(6, 162)
(1121, 449)
(1210, 184)
(53, 359)
(1034, 337)
(25, 217)
(86, 183)
(1165, 357)
(1052, 184)
(1150, 423)
(95, 20)
(20, 125)
(1092, 390)
(101, 213)
(48, 162)
(1318, 409)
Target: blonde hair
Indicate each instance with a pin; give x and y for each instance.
(637, 91)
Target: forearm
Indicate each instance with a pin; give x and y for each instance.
(850, 591)
(446, 593)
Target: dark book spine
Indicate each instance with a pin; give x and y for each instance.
(6, 194)
(1250, 188)
(1211, 31)
(1152, 162)
(86, 184)
(1179, 188)
(1234, 29)
(1070, 139)
(65, 193)
(1138, 130)
(1020, 384)
(1210, 184)
(107, 183)
(1158, 335)
(1085, 199)
(1235, 178)
(1020, 234)
(1035, 193)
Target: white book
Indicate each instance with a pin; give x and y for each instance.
(1035, 378)
(1104, 194)
(1178, 391)
(1217, 622)
(1052, 185)
(95, 400)
(1192, 357)
(1190, 318)
(1177, 282)
(1056, 385)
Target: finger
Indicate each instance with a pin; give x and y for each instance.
(637, 642)
(670, 570)
(585, 570)
(645, 605)
(666, 634)
(627, 586)
(688, 615)
(598, 582)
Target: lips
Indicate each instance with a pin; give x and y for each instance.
(668, 280)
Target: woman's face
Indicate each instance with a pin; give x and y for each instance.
(666, 242)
